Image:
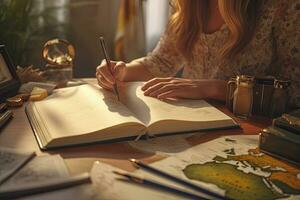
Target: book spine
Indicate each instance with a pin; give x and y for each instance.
(5, 117)
(286, 126)
(279, 147)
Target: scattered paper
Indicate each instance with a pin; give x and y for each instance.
(40, 169)
(11, 160)
(111, 187)
(81, 192)
(28, 87)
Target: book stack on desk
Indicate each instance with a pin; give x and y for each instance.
(282, 139)
(5, 114)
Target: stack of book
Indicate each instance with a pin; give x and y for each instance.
(282, 139)
(5, 114)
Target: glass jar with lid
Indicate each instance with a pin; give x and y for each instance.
(243, 96)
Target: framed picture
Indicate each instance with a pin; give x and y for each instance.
(9, 81)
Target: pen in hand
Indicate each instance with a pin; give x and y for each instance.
(115, 88)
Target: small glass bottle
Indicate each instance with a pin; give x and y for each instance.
(279, 98)
(243, 96)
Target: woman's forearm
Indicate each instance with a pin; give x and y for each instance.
(208, 88)
(171, 87)
(215, 89)
(135, 71)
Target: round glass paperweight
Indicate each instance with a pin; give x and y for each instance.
(59, 55)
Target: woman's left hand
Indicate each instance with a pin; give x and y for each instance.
(164, 88)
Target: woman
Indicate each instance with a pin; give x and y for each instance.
(214, 40)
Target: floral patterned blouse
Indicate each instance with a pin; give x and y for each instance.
(274, 50)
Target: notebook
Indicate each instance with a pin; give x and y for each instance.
(87, 114)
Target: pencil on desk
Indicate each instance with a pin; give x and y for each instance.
(102, 42)
(153, 170)
(158, 185)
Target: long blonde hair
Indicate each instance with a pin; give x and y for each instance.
(189, 18)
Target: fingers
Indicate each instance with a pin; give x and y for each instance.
(171, 88)
(106, 77)
(159, 88)
(172, 91)
(103, 83)
(176, 93)
(166, 87)
(103, 70)
(119, 70)
(155, 81)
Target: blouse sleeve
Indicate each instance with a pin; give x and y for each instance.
(286, 27)
(164, 60)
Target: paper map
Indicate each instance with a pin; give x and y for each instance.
(231, 166)
(234, 166)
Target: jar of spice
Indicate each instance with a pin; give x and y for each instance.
(243, 96)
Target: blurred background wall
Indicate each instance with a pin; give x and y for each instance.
(89, 20)
(81, 22)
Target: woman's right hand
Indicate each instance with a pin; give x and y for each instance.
(105, 79)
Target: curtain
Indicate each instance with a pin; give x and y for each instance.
(130, 33)
(140, 25)
(156, 19)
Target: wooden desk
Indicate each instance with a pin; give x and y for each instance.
(18, 134)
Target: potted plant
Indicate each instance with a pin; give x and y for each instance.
(24, 28)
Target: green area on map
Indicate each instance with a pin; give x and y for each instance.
(226, 173)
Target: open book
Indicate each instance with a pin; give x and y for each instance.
(87, 113)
